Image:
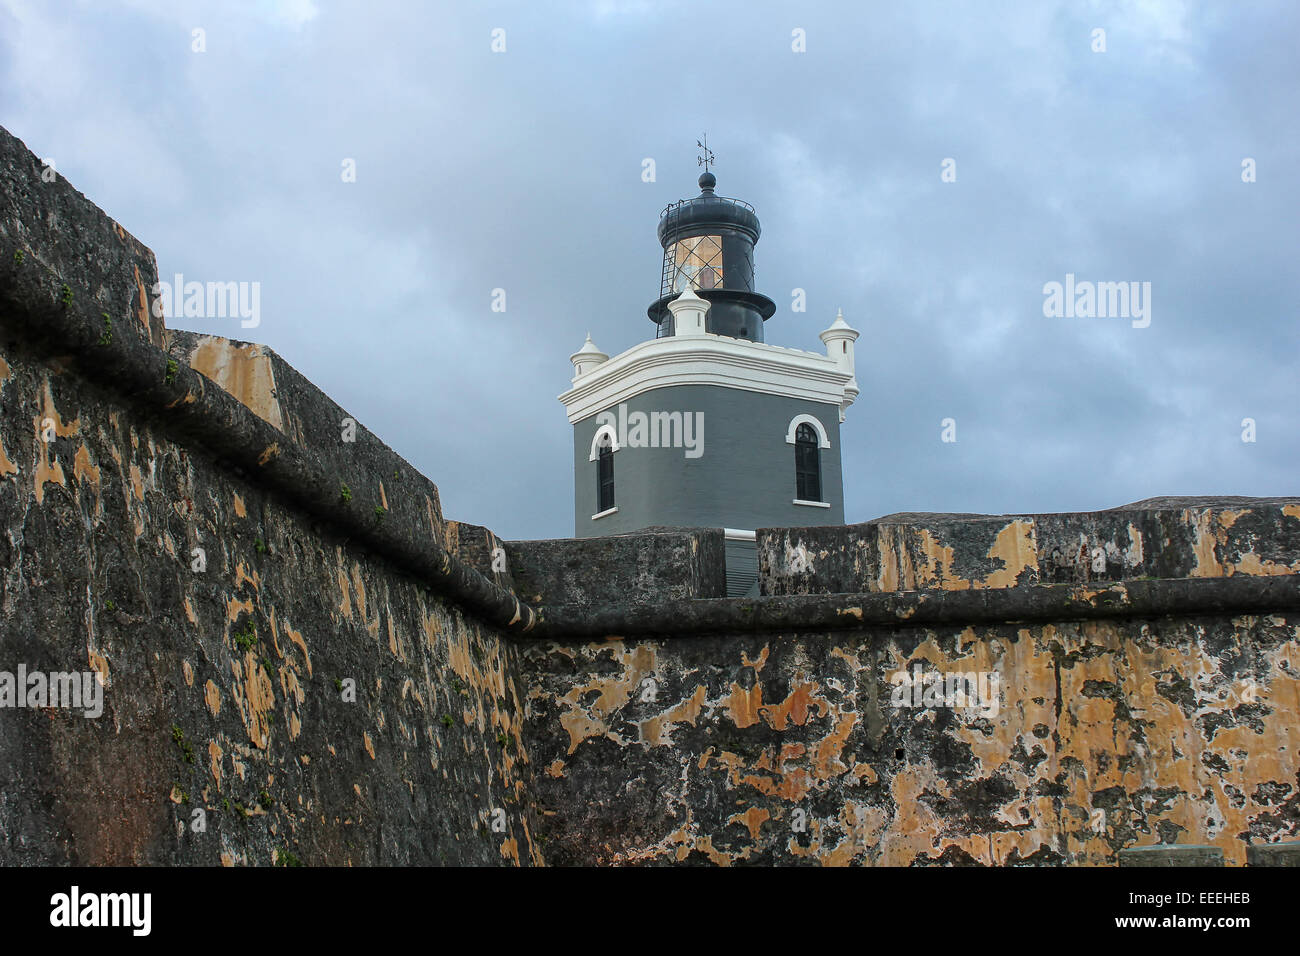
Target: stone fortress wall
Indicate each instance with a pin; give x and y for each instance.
(303, 660)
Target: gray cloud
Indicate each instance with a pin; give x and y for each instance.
(522, 171)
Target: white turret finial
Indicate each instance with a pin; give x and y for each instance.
(587, 358)
(839, 326)
(688, 311)
(839, 331)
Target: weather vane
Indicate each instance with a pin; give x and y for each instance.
(707, 158)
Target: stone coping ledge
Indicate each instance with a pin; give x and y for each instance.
(1180, 597)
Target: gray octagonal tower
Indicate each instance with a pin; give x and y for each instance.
(706, 425)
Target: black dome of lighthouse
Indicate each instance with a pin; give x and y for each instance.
(708, 244)
(706, 210)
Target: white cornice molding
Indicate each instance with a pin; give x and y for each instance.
(708, 360)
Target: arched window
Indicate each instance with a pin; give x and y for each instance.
(807, 464)
(605, 477)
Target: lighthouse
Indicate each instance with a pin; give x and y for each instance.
(706, 424)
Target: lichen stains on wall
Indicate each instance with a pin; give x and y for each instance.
(1216, 555)
(1012, 552)
(7, 467)
(789, 749)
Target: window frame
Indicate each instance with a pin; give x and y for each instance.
(807, 464)
(605, 479)
(822, 440)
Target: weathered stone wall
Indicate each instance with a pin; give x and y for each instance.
(786, 747)
(246, 657)
(317, 700)
(592, 701)
(1131, 709)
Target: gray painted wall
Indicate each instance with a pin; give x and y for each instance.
(744, 477)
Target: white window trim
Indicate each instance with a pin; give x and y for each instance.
(812, 504)
(607, 511)
(736, 534)
(816, 424)
(606, 429)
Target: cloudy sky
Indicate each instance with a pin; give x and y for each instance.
(522, 170)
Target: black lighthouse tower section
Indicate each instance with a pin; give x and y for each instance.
(708, 245)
